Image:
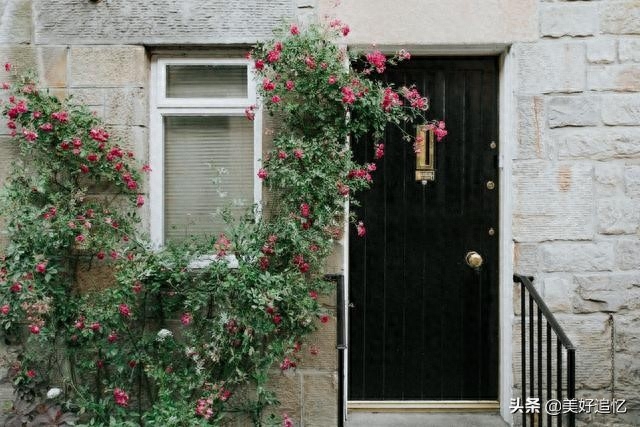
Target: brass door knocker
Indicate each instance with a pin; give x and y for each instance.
(425, 154)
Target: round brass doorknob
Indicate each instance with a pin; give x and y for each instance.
(473, 259)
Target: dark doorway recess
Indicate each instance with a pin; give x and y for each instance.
(423, 324)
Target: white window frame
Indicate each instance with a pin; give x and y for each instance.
(161, 106)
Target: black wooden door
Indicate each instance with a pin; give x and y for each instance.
(423, 324)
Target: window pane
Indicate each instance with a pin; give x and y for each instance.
(208, 166)
(206, 81)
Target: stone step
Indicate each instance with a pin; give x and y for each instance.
(399, 419)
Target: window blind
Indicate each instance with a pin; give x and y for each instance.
(199, 150)
(206, 81)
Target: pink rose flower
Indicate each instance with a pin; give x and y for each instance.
(377, 60)
(262, 173)
(273, 56)
(186, 319)
(41, 267)
(294, 30)
(348, 97)
(362, 231)
(268, 85)
(5, 309)
(29, 135)
(61, 116)
(249, 112)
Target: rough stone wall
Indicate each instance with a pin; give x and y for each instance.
(576, 174)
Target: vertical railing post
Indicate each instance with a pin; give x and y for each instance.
(532, 334)
(549, 370)
(559, 377)
(540, 423)
(571, 382)
(523, 344)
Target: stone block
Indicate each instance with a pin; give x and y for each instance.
(632, 181)
(621, 110)
(98, 277)
(577, 257)
(591, 334)
(21, 57)
(108, 66)
(628, 254)
(126, 107)
(598, 144)
(8, 153)
(134, 138)
(601, 51)
(91, 97)
(52, 65)
(334, 262)
(559, 292)
(629, 50)
(552, 201)
(627, 338)
(609, 179)
(546, 67)
(618, 77)
(620, 17)
(323, 343)
(608, 293)
(16, 22)
(618, 215)
(288, 388)
(628, 377)
(161, 22)
(573, 111)
(320, 400)
(525, 258)
(533, 139)
(568, 19)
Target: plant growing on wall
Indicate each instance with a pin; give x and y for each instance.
(168, 343)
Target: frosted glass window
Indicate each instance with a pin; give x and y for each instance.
(208, 166)
(206, 81)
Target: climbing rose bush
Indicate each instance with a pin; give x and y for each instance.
(190, 334)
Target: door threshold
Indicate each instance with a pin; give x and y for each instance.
(423, 405)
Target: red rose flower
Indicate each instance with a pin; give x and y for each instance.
(124, 310)
(121, 397)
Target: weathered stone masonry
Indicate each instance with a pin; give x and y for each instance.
(576, 173)
(576, 142)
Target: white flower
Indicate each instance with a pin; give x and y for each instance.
(53, 393)
(162, 334)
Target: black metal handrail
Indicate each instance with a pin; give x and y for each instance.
(534, 409)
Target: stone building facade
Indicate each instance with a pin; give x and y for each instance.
(569, 143)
